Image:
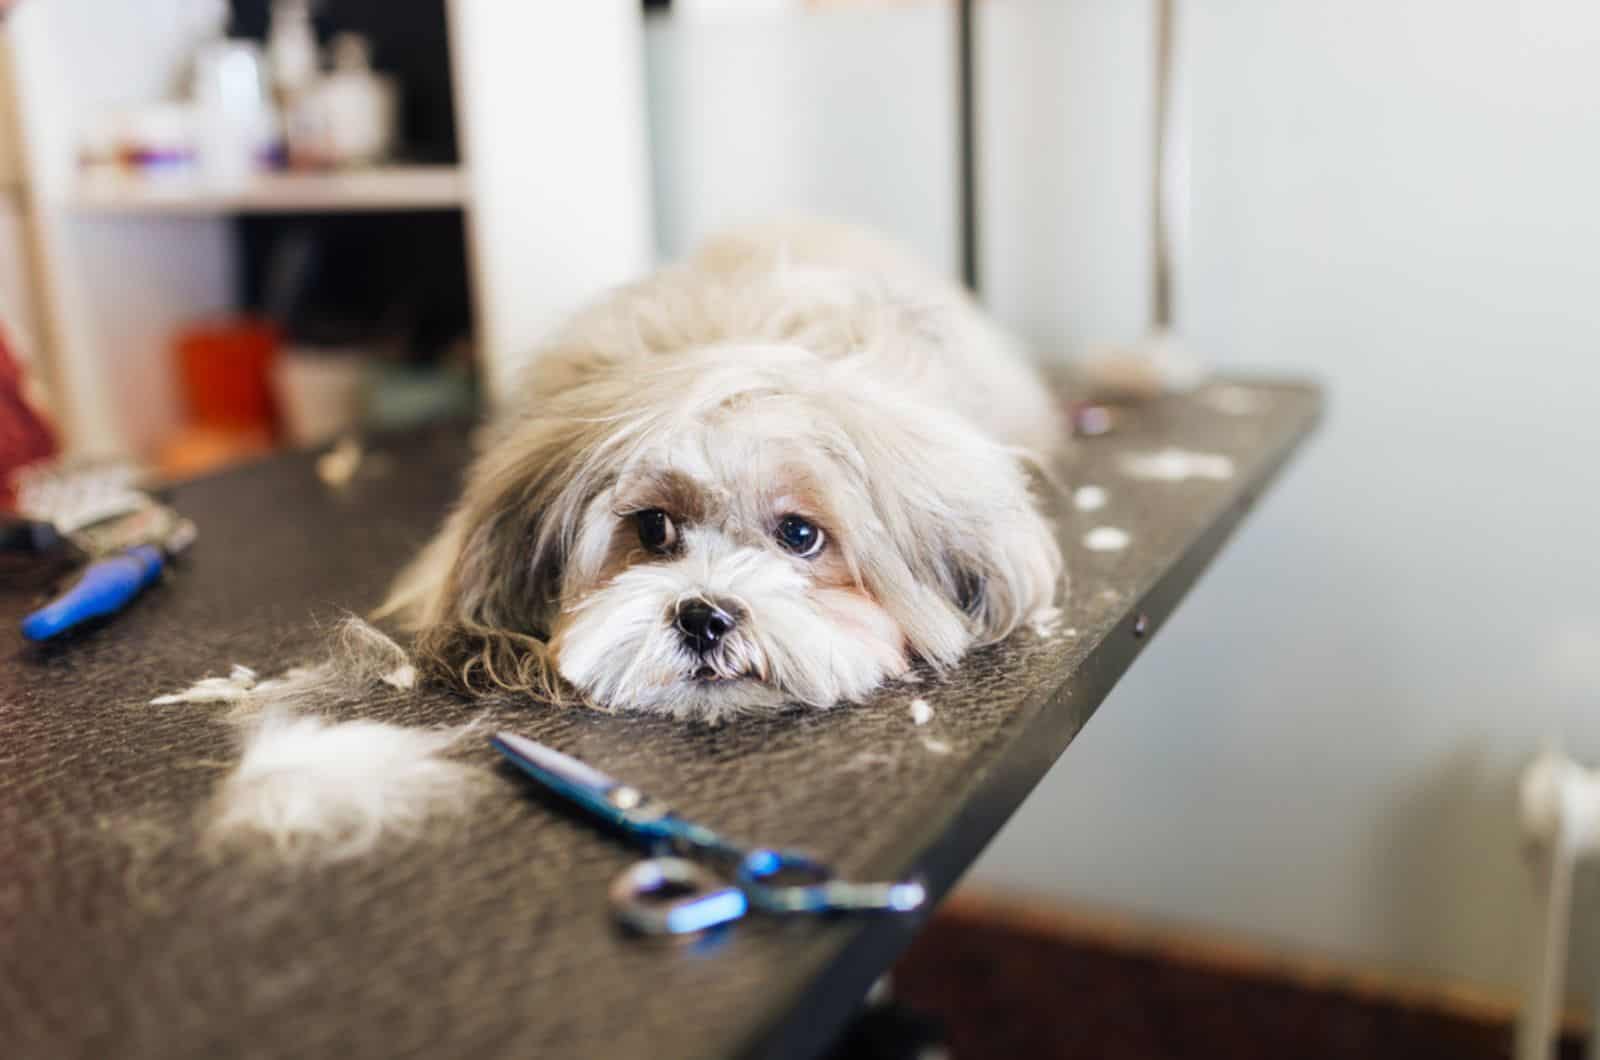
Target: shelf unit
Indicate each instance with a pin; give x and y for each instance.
(553, 185)
(117, 191)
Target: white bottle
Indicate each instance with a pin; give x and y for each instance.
(356, 106)
(291, 49)
(234, 117)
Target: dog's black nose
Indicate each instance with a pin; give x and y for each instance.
(703, 624)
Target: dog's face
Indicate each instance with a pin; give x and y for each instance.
(730, 531)
(724, 570)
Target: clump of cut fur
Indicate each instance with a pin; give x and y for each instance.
(360, 657)
(238, 685)
(364, 654)
(331, 791)
(1157, 364)
(1177, 465)
(320, 789)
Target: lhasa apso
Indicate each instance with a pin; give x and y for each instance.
(778, 473)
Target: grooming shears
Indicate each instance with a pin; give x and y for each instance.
(668, 894)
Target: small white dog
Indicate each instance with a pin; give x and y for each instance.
(777, 473)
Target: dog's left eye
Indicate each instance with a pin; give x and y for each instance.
(800, 536)
(656, 531)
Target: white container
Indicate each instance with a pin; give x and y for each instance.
(321, 392)
(235, 114)
(346, 118)
(359, 106)
(292, 49)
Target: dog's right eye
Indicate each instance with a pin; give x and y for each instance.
(656, 531)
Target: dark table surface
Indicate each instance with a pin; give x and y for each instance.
(490, 936)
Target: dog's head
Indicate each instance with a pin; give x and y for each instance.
(733, 529)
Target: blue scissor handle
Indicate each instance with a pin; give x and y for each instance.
(106, 587)
(674, 896)
(814, 890)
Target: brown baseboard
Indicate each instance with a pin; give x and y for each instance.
(1053, 980)
(1169, 942)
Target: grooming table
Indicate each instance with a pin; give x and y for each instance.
(491, 936)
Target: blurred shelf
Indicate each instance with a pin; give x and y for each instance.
(117, 191)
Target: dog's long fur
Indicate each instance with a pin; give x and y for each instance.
(794, 369)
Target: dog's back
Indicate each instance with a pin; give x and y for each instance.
(837, 291)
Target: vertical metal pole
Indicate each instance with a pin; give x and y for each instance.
(966, 145)
(1161, 161)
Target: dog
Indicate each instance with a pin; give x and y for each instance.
(782, 472)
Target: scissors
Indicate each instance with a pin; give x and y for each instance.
(669, 894)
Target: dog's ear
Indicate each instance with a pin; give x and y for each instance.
(970, 557)
(1006, 568)
(481, 595)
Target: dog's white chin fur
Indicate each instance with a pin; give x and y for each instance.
(803, 370)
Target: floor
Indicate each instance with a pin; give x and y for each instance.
(1003, 990)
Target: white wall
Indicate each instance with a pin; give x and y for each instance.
(1319, 751)
(1405, 200)
(1065, 148)
(851, 113)
(548, 97)
(755, 113)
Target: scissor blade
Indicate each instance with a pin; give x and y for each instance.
(549, 766)
(621, 804)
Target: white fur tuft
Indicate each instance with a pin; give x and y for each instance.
(239, 683)
(1177, 465)
(332, 790)
(1157, 364)
(366, 654)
